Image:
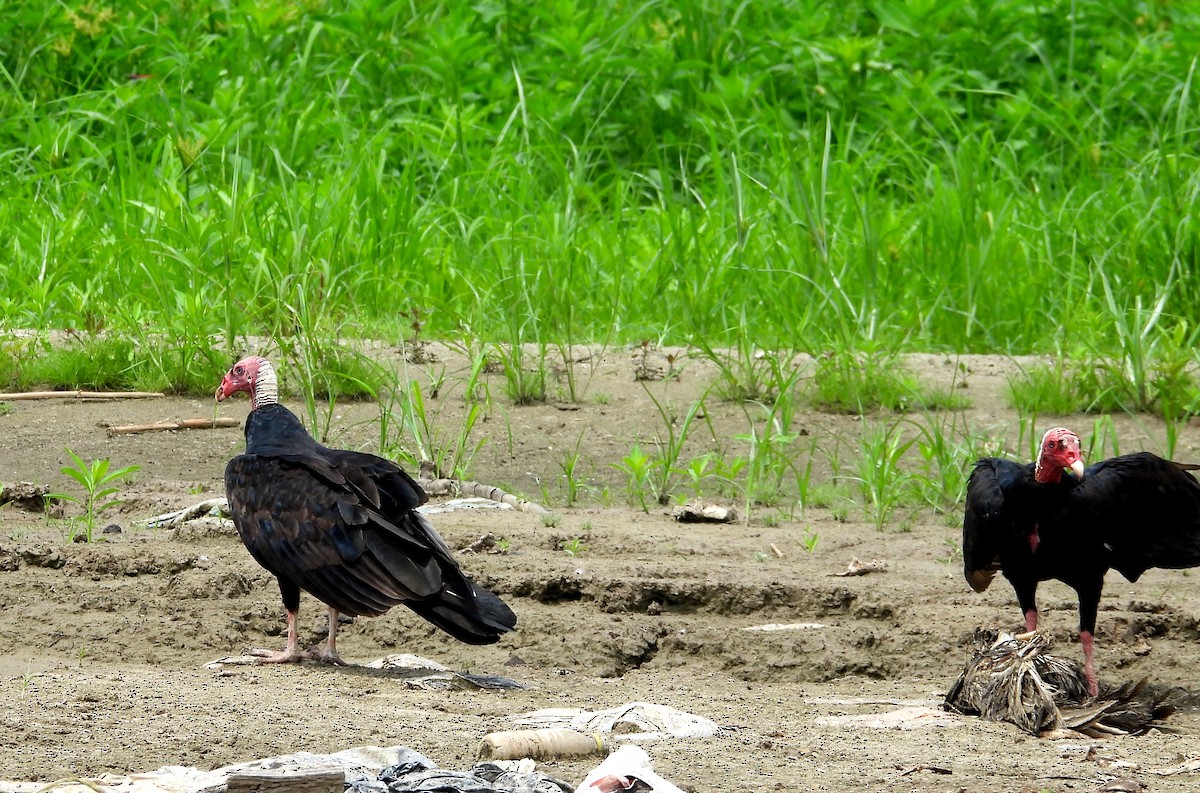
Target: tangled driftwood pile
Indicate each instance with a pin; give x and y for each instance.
(1015, 679)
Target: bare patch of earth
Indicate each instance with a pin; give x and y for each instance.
(105, 644)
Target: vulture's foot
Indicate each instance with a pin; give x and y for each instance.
(325, 656)
(292, 656)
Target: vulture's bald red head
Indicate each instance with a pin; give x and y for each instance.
(1059, 450)
(253, 375)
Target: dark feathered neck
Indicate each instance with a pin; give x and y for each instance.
(272, 428)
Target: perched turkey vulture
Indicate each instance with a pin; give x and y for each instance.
(1035, 522)
(342, 526)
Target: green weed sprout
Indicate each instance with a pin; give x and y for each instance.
(92, 477)
(574, 547)
(638, 467)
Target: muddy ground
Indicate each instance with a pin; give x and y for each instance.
(105, 645)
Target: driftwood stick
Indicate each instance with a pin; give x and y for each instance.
(183, 424)
(172, 519)
(79, 395)
(434, 487)
(447, 487)
(859, 567)
(485, 543)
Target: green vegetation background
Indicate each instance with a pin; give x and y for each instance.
(966, 176)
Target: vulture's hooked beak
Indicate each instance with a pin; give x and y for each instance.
(1077, 468)
(222, 393)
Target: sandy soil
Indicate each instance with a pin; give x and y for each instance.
(105, 644)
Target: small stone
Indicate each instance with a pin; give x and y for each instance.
(654, 609)
(112, 528)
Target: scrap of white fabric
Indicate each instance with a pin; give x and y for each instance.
(633, 721)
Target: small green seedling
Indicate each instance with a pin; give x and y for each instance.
(574, 547)
(637, 466)
(92, 477)
(810, 539)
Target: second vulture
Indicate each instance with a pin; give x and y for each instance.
(1035, 522)
(342, 526)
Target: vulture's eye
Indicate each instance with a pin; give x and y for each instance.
(239, 370)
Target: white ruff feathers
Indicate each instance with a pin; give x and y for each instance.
(266, 386)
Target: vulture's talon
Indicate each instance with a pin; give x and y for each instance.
(276, 656)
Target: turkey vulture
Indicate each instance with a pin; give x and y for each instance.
(1035, 522)
(342, 526)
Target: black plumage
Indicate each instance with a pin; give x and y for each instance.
(342, 526)
(1128, 513)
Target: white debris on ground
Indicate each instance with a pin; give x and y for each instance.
(462, 503)
(634, 721)
(786, 626)
(372, 769)
(621, 770)
(411, 670)
(910, 718)
(359, 763)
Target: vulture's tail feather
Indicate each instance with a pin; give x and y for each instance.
(480, 619)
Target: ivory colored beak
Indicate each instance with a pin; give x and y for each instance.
(1077, 468)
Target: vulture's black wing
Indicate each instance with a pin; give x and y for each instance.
(325, 539)
(988, 524)
(1146, 511)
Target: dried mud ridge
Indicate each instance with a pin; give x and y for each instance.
(651, 620)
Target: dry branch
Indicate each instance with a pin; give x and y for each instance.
(859, 567)
(937, 769)
(79, 395)
(183, 424)
(172, 519)
(546, 744)
(434, 487)
(449, 487)
(485, 543)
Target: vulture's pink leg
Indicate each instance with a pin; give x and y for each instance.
(1089, 670)
(329, 654)
(289, 654)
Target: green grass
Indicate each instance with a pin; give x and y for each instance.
(947, 175)
(846, 382)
